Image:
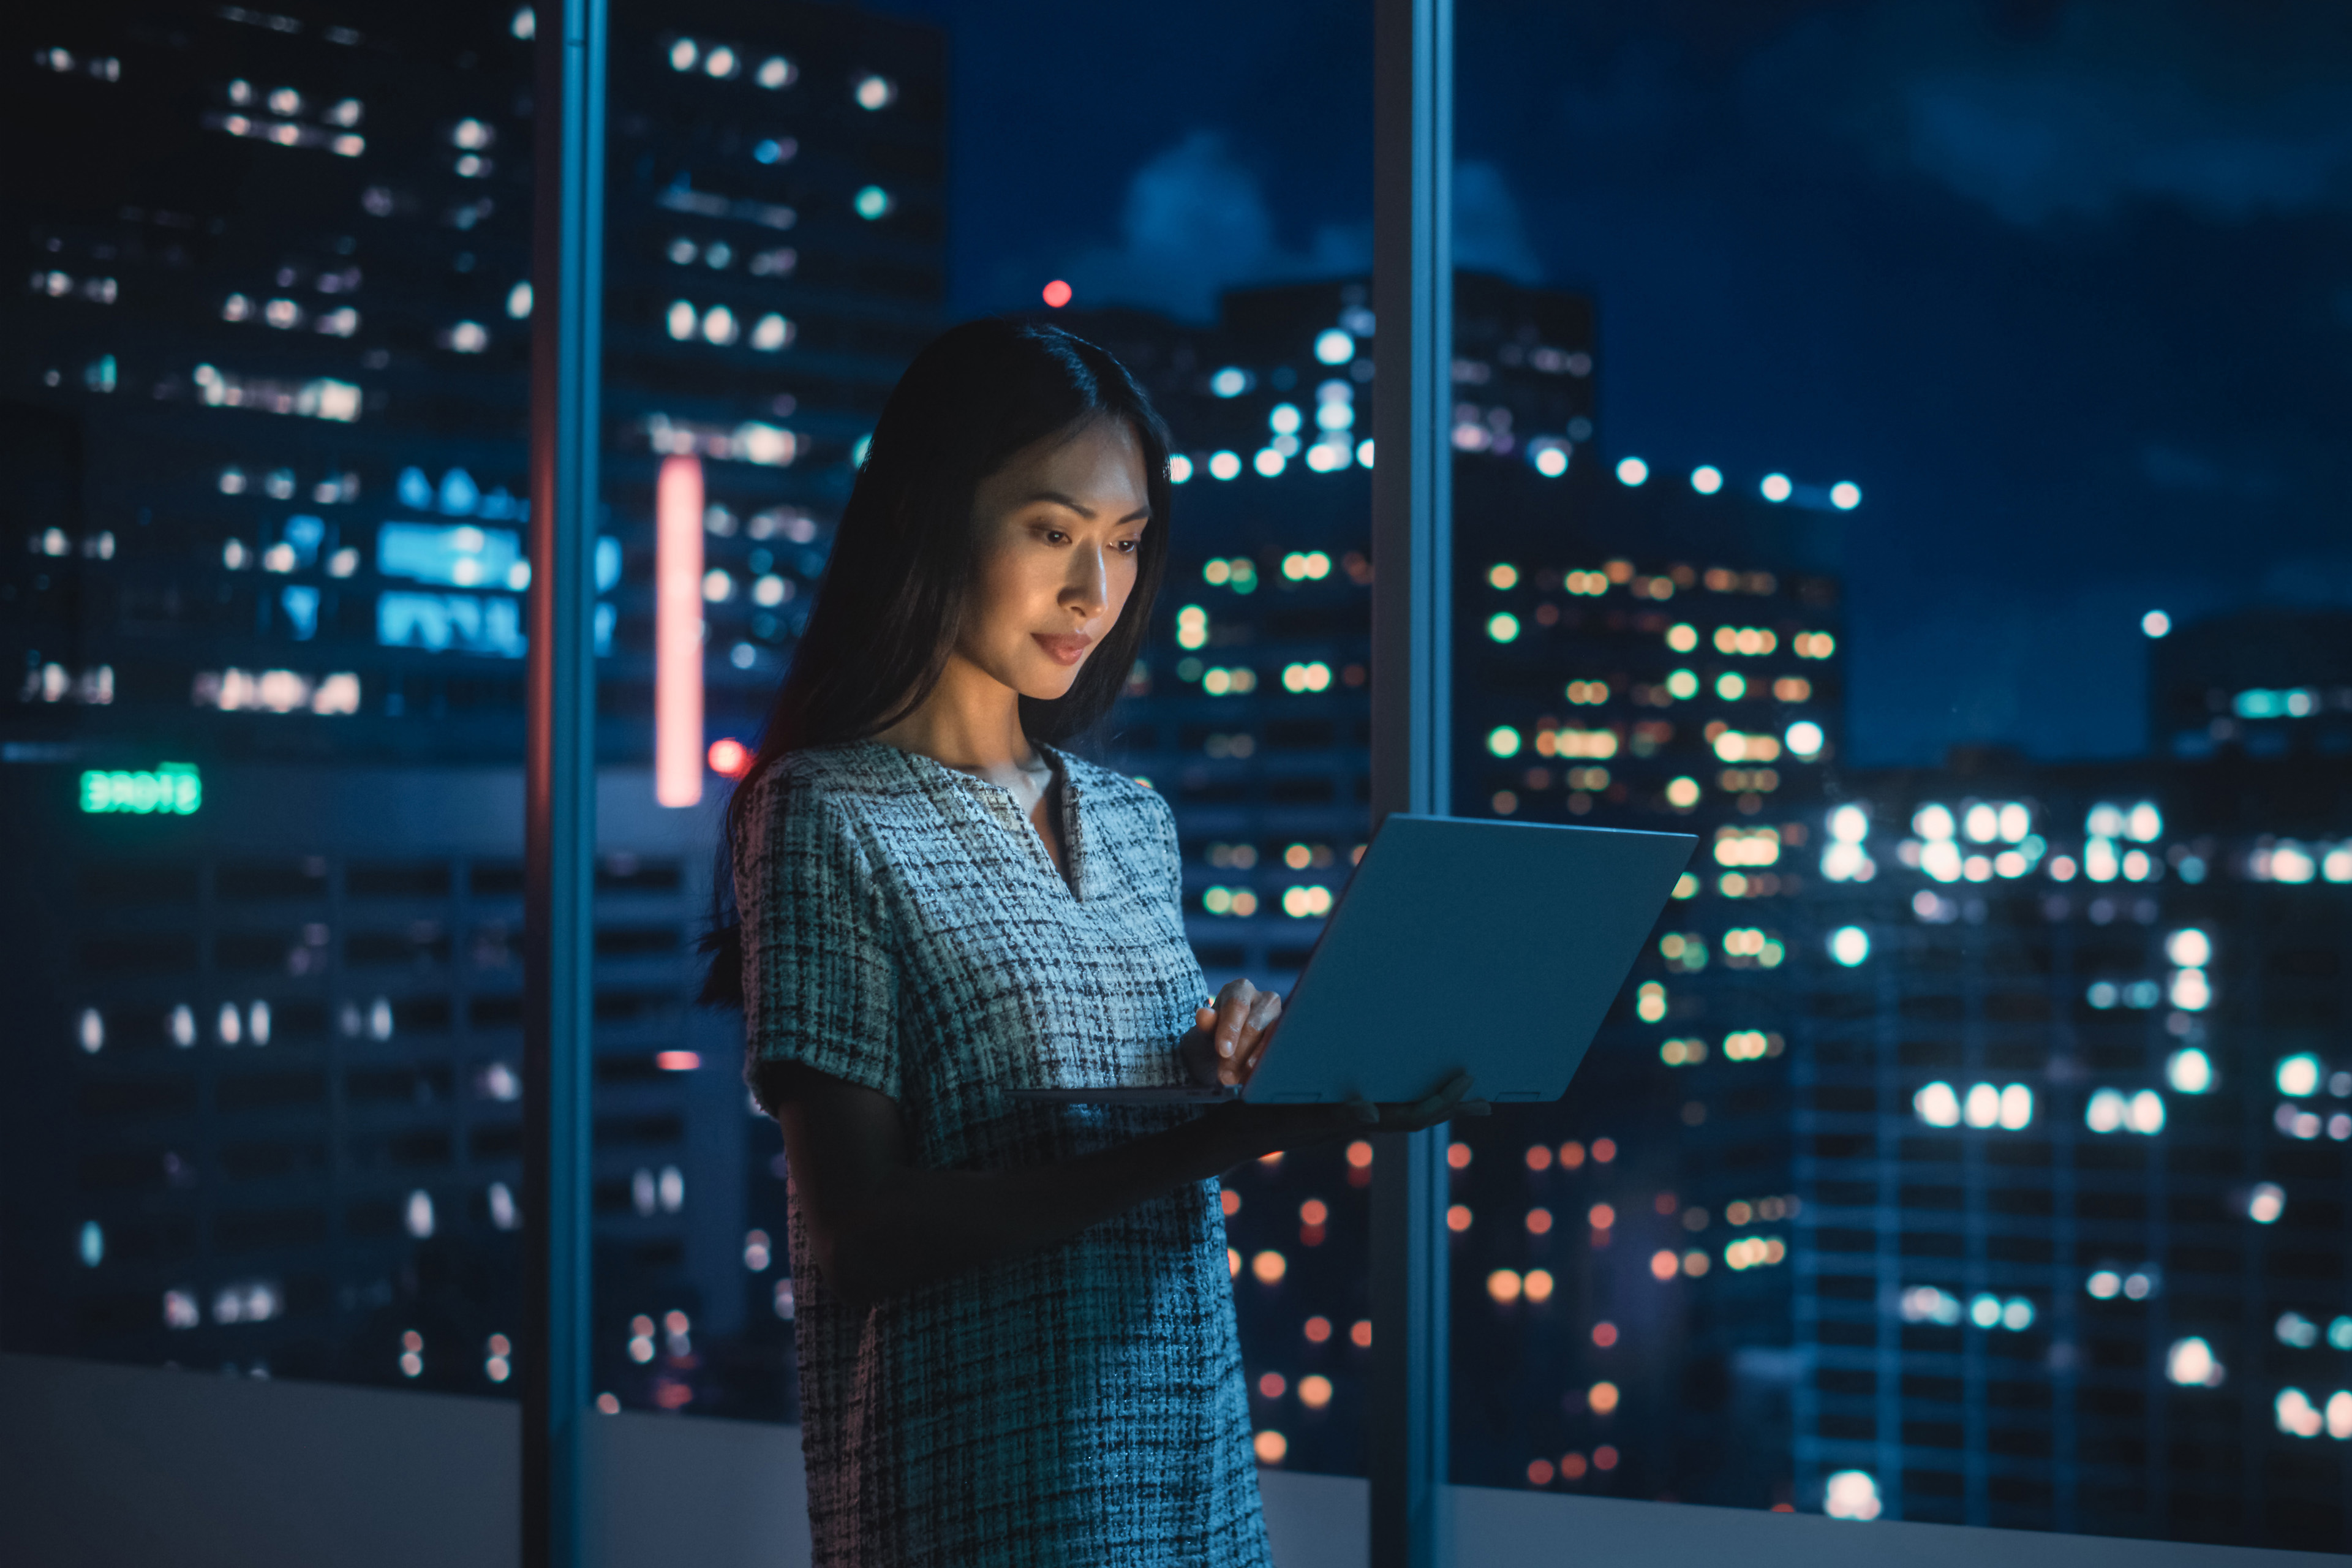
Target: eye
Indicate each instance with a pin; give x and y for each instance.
(1129, 546)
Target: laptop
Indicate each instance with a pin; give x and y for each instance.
(1494, 948)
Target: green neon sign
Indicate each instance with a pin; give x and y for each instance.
(173, 789)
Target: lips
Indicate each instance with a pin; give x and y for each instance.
(1063, 649)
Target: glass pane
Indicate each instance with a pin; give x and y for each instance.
(1977, 1131)
(775, 234)
(264, 433)
(1638, 652)
(266, 441)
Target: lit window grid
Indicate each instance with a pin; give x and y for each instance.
(1547, 1337)
(1224, 877)
(264, 459)
(473, 137)
(1709, 762)
(347, 1017)
(1301, 680)
(2118, 1250)
(263, 489)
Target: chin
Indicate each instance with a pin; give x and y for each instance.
(1051, 688)
(1043, 680)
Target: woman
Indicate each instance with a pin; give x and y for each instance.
(1015, 1320)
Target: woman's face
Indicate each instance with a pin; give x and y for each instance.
(1060, 531)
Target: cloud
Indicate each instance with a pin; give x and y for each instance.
(2174, 469)
(2310, 580)
(1196, 222)
(2064, 142)
(2116, 103)
(1488, 235)
(2244, 475)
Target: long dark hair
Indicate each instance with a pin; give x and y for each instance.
(893, 596)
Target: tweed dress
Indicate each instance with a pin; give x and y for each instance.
(905, 929)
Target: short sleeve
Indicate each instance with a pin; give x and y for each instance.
(820, 977)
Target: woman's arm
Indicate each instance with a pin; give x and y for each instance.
(881, 1226)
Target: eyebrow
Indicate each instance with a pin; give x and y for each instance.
(1141, 514)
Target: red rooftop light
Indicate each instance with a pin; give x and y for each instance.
(1057, 293)
(730, 757)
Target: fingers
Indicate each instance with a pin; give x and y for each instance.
(1232, 1011)
(1450, 1100)
(1454, 1089)
(1258, 1033)
(1244, 1018)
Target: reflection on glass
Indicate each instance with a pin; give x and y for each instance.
(1969, 1101)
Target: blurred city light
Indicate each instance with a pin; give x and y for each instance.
(1851, 1494)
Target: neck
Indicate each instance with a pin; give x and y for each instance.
(970, 721)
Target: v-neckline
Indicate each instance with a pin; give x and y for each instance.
(1073, 878)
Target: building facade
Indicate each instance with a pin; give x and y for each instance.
(2071, 1120)
(2267, 683)
(263, 422)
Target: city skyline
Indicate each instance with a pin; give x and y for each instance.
(2051, 282)
(1897, 1182)
(2067, 1086)
(265, 410)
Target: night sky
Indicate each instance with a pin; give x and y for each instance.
(2066, 288)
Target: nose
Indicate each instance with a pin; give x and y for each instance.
(1087, 588)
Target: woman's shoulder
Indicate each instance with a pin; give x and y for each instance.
(848, 775)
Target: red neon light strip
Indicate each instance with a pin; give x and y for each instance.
(678, 632)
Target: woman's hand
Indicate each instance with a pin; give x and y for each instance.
(1255, 1130)
(1230, 1036)
(1227, 1042)
(881, 1226)
(1443, 1104)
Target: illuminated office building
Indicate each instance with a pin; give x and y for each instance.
(269, 368)
(2265, 683)
(262, 424)
(1630, 650)
(2072, 1115)
(1663, 655)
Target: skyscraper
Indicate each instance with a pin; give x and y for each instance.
(264, 423)
(279, 314)
(2072, 1119)
(2263, 682)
